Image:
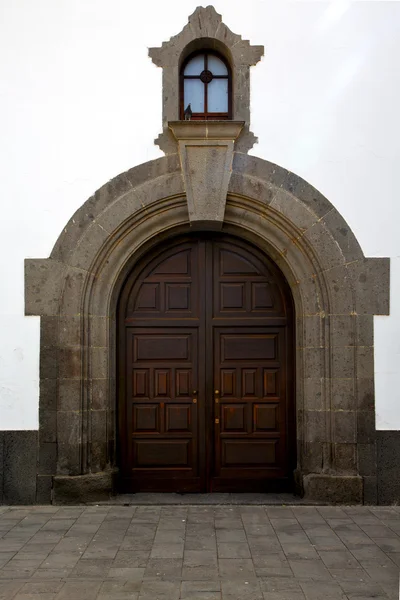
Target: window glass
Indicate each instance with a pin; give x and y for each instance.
(194, 94)
(195, 66)
(218, 96)
(216, 66)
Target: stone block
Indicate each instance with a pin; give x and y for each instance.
(388, 459)
(47, 458)
(313, 398)
(99, 363)
(343, 396)
(344, 423)
(48, 367)
(69, 394)
(340, 291)
(365, 361)
(366, 433)
(69, 459)
(343, 363)
(315, 426)
(98, 456)
(343, 236)
(68, 427)
(333, 489)
(312, 456)
(69, 362)
(99, 394)
(206, 150)
(365, 330)
(85, 252)
(44, 485)
(1, 465)
(371, 279)
(92, 487)
(294, 210)
(370, 490)
(19, 467)
(72, 291)
(367, 459)
(314, 362)
(345, 458)
(99, 331)
(313, 331)
(365, 391)
(69, 331)
(48, 394)
(98, 425)
(49, 331)
(343, 330)
(47, 425)
(325, 246)
(43, 284)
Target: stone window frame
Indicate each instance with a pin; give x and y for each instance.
(206, 31)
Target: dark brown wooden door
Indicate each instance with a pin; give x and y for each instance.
(205, 371)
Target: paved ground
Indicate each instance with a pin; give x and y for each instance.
(199, 552)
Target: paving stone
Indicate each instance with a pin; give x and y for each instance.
(76, 590)
(318, 590)
(233, 550)
(160, 590)
(232, 568)
(339, 560)
(312, 569)
(199, 552)
(118, 590)
(199, 574)
(8, 589)
(43, 587)
(164, 568)
(241, 590)
(359, 590)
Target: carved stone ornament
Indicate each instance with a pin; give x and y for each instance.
(206, 153)
(205, 30)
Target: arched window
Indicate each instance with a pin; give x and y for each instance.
(206, 84)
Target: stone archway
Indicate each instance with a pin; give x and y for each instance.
(336, 292)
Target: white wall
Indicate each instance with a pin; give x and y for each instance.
(81, 102)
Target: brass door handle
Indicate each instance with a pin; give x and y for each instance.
(216, 392)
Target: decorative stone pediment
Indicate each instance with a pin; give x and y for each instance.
(205, 30)
(206, 153)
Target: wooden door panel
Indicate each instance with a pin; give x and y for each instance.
(163, 438)
(250, 410)
(210, 314)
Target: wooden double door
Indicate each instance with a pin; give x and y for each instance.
(206, 371)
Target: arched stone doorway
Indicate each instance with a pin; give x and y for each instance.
(206, 370)
(336, 292)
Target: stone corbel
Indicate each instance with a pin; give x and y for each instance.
(206, 153)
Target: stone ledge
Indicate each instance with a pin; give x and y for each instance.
(92, 487)
(333, 489)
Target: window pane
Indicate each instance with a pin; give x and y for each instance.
(216, 66)
(195, 66)
(218, 95)
(194, 94)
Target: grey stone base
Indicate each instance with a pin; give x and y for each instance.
(333, 489)
(388, 462)
(18, 465)
(93, 487)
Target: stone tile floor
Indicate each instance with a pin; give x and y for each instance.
(206, 552)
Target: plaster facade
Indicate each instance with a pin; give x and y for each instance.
(336, 290)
